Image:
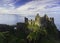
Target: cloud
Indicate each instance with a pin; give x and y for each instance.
(29, 8)
(33, 7)
(5, 10)
(7, 4)
(39, 6)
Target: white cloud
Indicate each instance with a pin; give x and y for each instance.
(30, 8)
(34, 7)
(5, 10)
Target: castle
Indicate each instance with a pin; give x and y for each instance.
(40, 21)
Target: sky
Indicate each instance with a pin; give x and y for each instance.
(12, 11)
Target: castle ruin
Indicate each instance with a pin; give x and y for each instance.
(40, 21)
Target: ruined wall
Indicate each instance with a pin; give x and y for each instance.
(39, 21)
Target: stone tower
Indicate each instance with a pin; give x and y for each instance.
(46, 17)
(37, 20)
(26, 20)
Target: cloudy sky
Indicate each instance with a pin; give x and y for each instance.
(12, 11)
